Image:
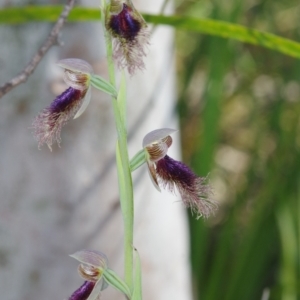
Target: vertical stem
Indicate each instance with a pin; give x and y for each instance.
(124, 173)
(109, 52)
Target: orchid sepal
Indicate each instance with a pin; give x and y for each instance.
(92, 258)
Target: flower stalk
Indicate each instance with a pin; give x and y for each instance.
(123, 166)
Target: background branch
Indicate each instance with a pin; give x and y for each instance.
(49, 42)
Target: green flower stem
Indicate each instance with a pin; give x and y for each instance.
(123, 167)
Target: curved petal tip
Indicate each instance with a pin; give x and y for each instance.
(76, 65)
(157, 135)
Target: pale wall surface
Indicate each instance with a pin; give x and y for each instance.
(55, 203)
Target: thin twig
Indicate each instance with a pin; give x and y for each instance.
(49, 42)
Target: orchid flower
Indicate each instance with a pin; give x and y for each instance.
(170, 173)
(93, 264)
(79, 76)
(94, 270)
(130, 35)
(70, 104)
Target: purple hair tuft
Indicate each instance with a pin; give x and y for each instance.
(192, 188)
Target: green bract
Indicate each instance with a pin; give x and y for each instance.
(117, 282)
(101, 84)
(138, 160)
(137, 290)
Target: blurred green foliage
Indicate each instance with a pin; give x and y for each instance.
(239, 108)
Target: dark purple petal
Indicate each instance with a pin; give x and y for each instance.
(192, 188)
(83, 292)
(48, 124)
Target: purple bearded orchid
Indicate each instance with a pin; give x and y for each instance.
(130, 35)
(170, 173)
(93, 264)
(70, 104)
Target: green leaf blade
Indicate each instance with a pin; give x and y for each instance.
(25, 14)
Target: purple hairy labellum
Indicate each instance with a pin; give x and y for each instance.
(194, 193)
(48, 124)
(84, 291)
(172, 174)
(130, 34)
(68, 99)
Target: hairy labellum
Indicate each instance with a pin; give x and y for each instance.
(193, 190)
(128, 29)
(49, 122)
(83, 292)
(172, 174)
(66, 101)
